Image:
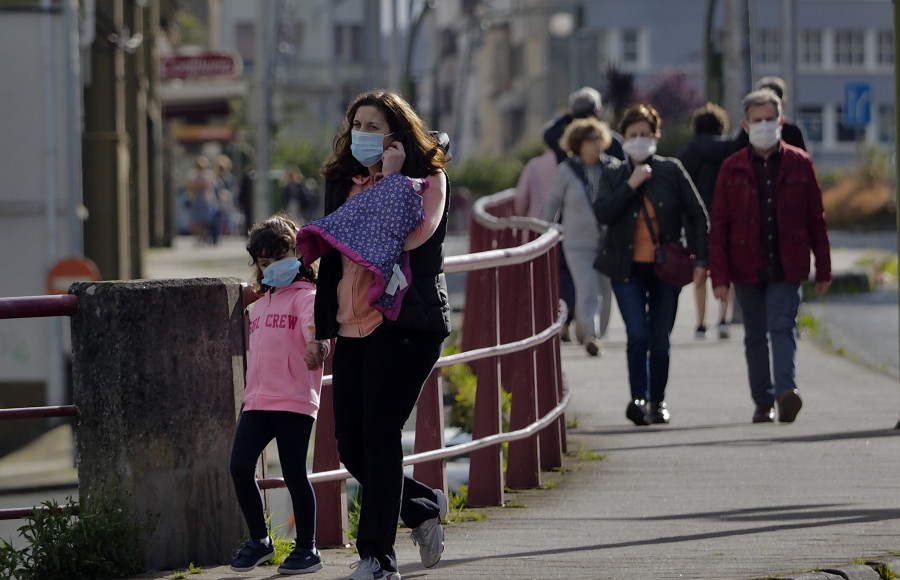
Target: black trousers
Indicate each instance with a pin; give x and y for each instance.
(377, 380)
(292, 432)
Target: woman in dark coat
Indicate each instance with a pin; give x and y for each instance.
(644, 192)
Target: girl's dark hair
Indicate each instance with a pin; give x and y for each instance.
(636, 114)
(272, 238)
(424, 156)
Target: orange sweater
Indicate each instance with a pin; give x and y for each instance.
(644, 248)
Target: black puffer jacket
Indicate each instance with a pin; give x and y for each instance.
(426, 306)
(702, 157)
(675, 201)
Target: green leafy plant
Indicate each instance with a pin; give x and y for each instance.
(353, 514)
(461, 383)
(94, 541)
(459, 509)
(884, 572)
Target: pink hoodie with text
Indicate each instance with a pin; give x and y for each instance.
(277, 378)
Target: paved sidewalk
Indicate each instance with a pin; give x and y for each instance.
(708, 496)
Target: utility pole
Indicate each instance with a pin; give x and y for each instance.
(737, 57)
(896, 4)
(788, 56)
(262, 194)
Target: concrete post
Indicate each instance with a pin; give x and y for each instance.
(158, 376)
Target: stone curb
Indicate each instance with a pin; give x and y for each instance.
(849, 572)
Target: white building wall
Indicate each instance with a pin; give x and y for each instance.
(34, 208)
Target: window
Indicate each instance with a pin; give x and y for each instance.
(603, 50)
(630, 48)
(245, 39)
(811, 47)
(515, 127)
(885, 55)
(886, 123)
(810, 120)
(448, 42)
(517, 61)
(348, 41)
(846, 134)
(768, 46)
(849, 48)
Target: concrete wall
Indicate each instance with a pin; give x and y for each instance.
(158, 378)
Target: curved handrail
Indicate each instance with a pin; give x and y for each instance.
(456, 450)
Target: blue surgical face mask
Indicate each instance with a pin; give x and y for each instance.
(367, 148)
(281, 273)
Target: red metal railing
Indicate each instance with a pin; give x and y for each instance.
(512, 283)
(35, 307)
(513, 343)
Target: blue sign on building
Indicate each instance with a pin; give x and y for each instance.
(857, 104)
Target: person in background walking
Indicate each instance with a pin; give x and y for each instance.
(531, 194)
(767, 218)
(702, 157)
(645, 192)
(201, 188)
(245, 196)
(281, 400)
(224, 186)
(533, 185)
(384, 353)
(573, 193)
(584, 103)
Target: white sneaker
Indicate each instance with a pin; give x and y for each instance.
(429, 536)
(370, 569)
(443, 505)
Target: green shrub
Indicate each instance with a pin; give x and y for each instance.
(485, 174)
(95, 543)
(307, 156)
(460, 382)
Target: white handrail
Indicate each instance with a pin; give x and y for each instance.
(447, 452)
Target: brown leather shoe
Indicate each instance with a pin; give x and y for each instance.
(764, 414)
(789, 405)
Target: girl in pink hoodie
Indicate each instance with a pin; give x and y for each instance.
(281, 399)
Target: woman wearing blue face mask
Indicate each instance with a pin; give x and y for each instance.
(383, 157)
(646, 201)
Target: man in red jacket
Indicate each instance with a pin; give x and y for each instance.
(767, 218)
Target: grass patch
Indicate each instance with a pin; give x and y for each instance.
(810, 325)
(459, 509)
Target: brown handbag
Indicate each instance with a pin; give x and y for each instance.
(674, 262)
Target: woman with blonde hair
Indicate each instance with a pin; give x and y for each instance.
(574, 190)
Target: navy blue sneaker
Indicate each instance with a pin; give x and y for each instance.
(254, 553)
(301, 561)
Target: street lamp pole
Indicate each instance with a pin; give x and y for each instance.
(896, 4)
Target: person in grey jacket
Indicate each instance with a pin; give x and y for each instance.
(574, 190)
(645, 192)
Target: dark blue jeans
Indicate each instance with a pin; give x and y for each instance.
(648, 306)
(376, 382)
(770, 319)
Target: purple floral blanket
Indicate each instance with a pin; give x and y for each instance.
(370, 228)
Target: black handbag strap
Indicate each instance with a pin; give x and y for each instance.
(646, 215)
